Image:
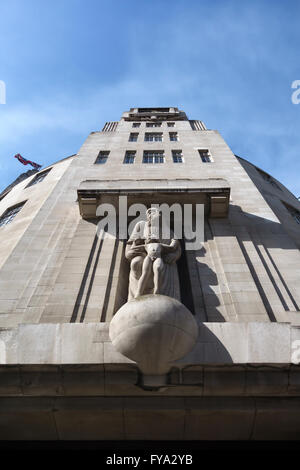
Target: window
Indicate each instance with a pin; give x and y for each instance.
(177, 156)
(102, 157)
(153, 110)
(153, 124)
(205, 156)
(38, 178)
(129, 157)
(296, 216)
(136, 124)
(153, 137)
(156, 156)
(173, 136)
(171, 124)
(133, 137)
(10, 214)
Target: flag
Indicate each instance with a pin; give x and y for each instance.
(25, 162)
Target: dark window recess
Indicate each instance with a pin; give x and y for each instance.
(153, 157)
(153, 137)
(177, 156)
(185, 280)
(133, 137)
(173, 136)
(136, 124)
(10, 214)
(102, 157)
(39, 177)
(153, 110)
(18, 180)
(153, 124)
(129, 157)
(205, 156)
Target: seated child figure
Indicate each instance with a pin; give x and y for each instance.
(153, 262)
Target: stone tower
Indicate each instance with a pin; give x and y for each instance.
(61, 284)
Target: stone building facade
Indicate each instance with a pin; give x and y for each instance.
(61, 285)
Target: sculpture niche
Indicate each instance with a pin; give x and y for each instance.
(153, 268)
(153, 328)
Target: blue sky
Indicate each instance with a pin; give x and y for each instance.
(71, 65)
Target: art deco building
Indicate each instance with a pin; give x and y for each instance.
(62, 375)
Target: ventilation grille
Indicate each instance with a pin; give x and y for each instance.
(110, 126)
(198, 126)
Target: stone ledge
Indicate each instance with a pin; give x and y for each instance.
(88, 343)
(158, 418)
(229, 359)
(99, 380)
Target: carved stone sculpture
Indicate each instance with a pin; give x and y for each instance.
(152, 259)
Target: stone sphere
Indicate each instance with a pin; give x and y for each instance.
(153, 330)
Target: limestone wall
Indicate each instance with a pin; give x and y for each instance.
(54, 269)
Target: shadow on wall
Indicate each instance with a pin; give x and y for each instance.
(248, 226)
(214, 350)
(264, 234)
(257, 237)
(208, 350)
(206, 296)
(89, 285)
(275, 196)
